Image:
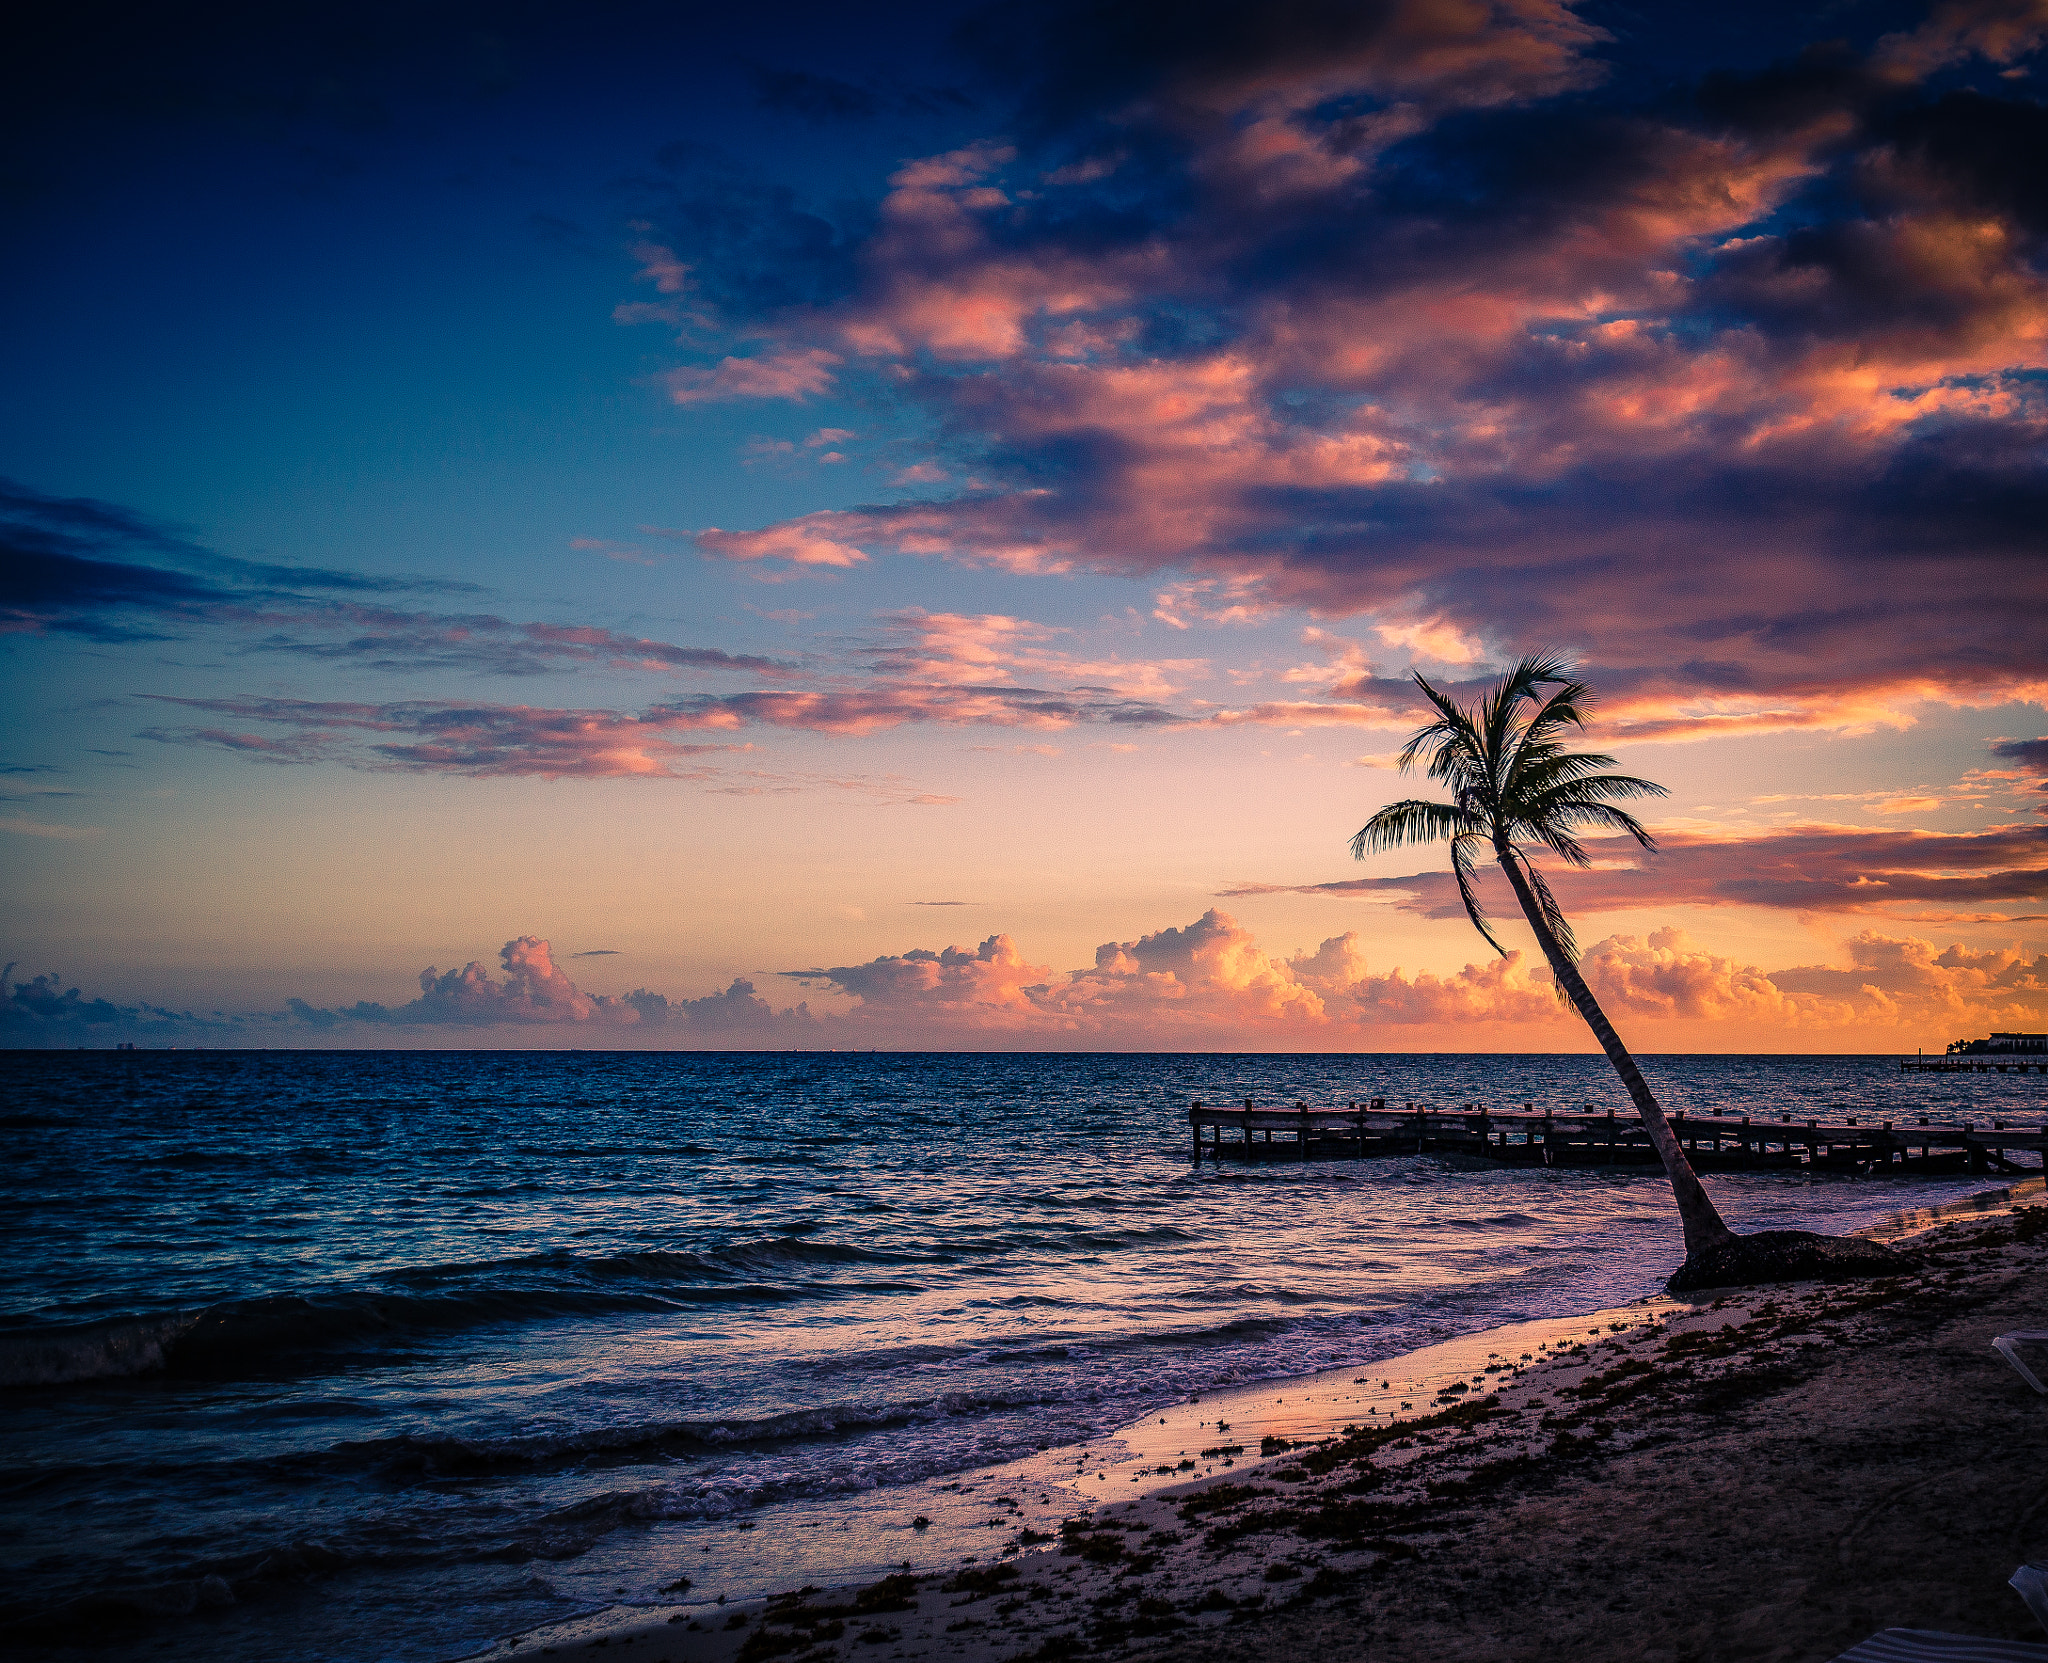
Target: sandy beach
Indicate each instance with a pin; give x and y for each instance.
(1773, 1475)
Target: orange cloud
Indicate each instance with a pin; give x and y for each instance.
(1201, 986)
(1887, 984)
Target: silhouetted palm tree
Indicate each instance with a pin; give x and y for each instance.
(1513, 783)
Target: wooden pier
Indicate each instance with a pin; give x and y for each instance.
(1524, 1137)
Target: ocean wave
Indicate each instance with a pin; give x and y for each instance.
(238, 1336)
(255, 1336)
(90, 1351)
(125, 1601)
(1247, 1293)
(667, 1265)
(620, 1445)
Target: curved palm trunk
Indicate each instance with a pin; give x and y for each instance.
(1701, 1222)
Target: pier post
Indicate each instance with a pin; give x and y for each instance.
(1303, 1133)
(1745, 1140)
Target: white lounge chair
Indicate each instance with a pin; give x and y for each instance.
(2030, 1582)
(2008, 1347)
(1920, 1645)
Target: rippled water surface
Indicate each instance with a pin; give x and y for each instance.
(356, 1356)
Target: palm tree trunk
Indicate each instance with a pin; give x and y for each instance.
(1696, 1213)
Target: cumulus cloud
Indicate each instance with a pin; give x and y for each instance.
(534, 992)
(1887, 983)
(1211, 982)
(1420, 311)
(44, 1012)
(1194, 985)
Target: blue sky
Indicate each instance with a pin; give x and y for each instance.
(1091, 418)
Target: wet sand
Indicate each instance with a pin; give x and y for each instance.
(1772, 1476)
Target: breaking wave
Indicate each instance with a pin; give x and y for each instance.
(251, 1335)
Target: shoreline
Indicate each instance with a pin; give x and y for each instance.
(1048, 1597)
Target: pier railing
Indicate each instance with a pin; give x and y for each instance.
(1526, 1136)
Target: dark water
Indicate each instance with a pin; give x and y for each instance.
(348, 1356)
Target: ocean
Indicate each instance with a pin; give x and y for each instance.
(363, 1356)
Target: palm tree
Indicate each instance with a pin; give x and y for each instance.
(1513, 784)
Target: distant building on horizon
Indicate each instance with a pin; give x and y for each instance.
(1998, 1045)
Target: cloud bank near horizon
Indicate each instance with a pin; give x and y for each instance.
(1203, 986)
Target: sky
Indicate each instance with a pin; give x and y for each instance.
(914, 526)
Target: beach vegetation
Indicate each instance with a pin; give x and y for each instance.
(1516, 785)
(982, 1580)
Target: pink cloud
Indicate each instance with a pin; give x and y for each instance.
(1760, 477)
(1210, 985)
(1210, 982)
(797, 373)
(533, 989)
(806, 542)
(534, 992)
(1887, 983)
(1183, 985)
(476, 740)
(2000, 30)
(1807, 868)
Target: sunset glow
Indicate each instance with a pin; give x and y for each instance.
(917, 533)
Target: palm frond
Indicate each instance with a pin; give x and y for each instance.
(1497, 717)
(1565, 708)
(1611, 785)
(1563, 810)
(1540, 768)
(1412, 821)
(1461, 866)
(1553, 917)
(1514, 782)
(1453, 740)
(1553, 836)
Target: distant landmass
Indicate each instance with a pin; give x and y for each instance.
(1998, 1045)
